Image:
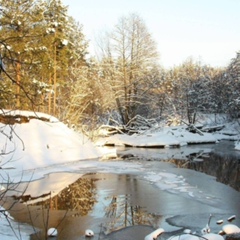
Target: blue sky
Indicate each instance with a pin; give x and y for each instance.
(206, 30)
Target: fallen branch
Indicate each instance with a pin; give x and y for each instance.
(192, 128)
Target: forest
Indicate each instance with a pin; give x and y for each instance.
(46, 67)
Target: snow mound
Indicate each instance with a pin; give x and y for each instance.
(38, 143)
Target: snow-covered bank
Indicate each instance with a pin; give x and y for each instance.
(33, 145)
(38, 144)
(164, 138)
(210, 129)
(167, 137)
(11, 230)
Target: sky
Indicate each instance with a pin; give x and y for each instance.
(205, 30)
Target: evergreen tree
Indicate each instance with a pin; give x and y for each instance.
(19, 21)
(39, 43)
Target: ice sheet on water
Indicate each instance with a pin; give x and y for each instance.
(159, 173)
(177, 184)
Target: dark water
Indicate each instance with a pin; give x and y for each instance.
(126, 206)
(219, 160)
(121, 201)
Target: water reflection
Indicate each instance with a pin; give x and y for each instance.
(102, 202)
(111, 202)
(48, 210)
(79, 196)
(120, 213)
(226, 168)
(219, 160)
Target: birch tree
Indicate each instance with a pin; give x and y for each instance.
(132, 53)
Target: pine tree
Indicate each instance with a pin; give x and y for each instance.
(20, 33)
(39, 43)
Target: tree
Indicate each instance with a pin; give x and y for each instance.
(191, 89)
(233, 86)
(54, 67)
(131, 53)
(20, 29)
(39, 43)
(214, 99)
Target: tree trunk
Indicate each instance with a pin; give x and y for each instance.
(18, 69)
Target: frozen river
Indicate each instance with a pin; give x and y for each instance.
(145, 188)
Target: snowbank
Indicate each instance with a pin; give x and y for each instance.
(38, 143)
(11, 230)
(167, 137)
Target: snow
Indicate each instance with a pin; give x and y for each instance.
(154, 234)
(35, 149)
(178, 136)
(16, 231)
(39, 144)
(237, 145)
(167, 137)
(39, 148)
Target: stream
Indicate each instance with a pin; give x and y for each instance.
(176, 189)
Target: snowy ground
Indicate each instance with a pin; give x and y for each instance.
(38, 148)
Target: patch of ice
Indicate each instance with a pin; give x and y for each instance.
(177, 184)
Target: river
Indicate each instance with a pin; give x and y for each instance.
(193, 182)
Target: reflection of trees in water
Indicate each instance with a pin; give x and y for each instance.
(79, 196)
(226, 169)
(121, 213)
